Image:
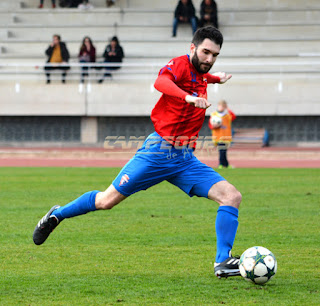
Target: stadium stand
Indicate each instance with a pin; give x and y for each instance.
(249, 137)
(271, 47)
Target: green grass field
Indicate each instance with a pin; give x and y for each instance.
(158, 246)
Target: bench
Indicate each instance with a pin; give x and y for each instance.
(250, 138)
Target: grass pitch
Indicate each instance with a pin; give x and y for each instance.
(158, 246)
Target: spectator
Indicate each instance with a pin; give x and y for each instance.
(185, 12)
(220, 123)
(85, 5)
(52, 1)
(109, 3)
(112, 54)
(58, 57)
(208, 13)
(70, 3)
(86, 55)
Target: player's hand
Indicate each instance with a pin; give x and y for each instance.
(198, 102)
(223, 77)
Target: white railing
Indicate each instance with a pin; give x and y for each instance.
(147, 71)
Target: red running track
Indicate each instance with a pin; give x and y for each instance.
(60, 162)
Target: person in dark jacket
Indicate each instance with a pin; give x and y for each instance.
(58, 57)
(185, 12)
(208, 13)
(86, 55)
(112, 54)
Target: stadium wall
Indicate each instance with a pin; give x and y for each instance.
(76, 130)
(257, 96)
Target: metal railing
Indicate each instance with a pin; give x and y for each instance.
(146, 71)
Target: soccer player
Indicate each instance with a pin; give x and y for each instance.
(167, 154)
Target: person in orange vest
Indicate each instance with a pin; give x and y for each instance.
(221, 125)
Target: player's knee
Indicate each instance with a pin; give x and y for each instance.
(235, 198)
(104, 204)
(232, 198)
(108, 199)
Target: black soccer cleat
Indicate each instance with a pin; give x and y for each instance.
(45, 226)
(229, 267)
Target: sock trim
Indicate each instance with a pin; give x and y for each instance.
(229, 209)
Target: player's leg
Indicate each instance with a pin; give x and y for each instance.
(222, 147)
(140, 173)
(202, 181)
(89, 201)
(229, 199)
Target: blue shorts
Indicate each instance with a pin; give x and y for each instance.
(158, 161)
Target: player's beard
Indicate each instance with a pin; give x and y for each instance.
(199, 66)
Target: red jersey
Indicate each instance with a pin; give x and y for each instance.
(173, 118)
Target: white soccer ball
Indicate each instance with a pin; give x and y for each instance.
(216, 120)
(258, 265)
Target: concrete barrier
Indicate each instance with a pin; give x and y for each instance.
(106, 17)
(254, 96)
(164, 4)
(263, 32)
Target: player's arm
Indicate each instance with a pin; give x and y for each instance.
(165, 84)
(218, 77)
(233, 115)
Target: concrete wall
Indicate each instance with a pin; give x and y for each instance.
(156, 4)
(124, 98)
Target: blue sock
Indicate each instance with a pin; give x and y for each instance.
(226, 229)
(79, 206)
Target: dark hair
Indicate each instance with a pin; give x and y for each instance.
(83, 46)
(209, 32)
(58, 36)
(115, 38)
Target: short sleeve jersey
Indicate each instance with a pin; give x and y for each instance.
(173, 118)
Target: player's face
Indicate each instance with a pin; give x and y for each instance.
(204, 56)
(221, 107)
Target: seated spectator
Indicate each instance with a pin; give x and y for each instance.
(85, 5)
(208, 13)
(185, 12)
(109, 3)
(52, 1)
(70, 3)
(58, 57)
(86, 55)
(112, 54)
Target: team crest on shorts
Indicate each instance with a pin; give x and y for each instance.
(125, 179)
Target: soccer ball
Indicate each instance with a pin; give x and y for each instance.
(216, 120)
(257, 265)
